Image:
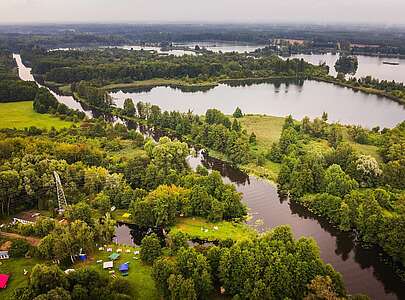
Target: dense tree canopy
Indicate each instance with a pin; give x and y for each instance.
(352, 190)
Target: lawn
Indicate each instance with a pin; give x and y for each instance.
(139, 275)
(268, 171)
(266, 128)
(15, 267)
(21, 114)
(202, 229)
(368, 150)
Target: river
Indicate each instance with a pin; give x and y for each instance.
(364, 271)
(278, 98)
(25, 74)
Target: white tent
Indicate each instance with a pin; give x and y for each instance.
(108, 264)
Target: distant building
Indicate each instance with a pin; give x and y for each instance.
(28, 217)
(4, 255)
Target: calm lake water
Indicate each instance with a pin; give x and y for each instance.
(157, 49)
(368, 65)
(223, 46)
(300, 99)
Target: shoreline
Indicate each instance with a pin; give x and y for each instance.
(369, 91)
(178, 83)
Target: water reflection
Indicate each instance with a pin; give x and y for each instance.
(224, 47)
(277, 98)
(367, 271)
(368, 65)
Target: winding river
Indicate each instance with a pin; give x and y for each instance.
(364, 270)
(25, 74)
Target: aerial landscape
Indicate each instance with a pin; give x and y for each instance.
(214, 150)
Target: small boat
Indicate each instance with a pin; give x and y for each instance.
(390, 63)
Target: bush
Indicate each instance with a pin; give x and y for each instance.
(19, 248)
(150, 248)
(176, 241)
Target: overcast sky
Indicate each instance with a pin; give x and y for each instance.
(263, 11)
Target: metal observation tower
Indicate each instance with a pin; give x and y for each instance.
(59, 191)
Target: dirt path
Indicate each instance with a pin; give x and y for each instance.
(34, 241)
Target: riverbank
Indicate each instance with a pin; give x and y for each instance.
(363, 89)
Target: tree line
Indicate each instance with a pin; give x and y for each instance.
(352, 190)
(105, 66)
(270, 266)
(13, 89)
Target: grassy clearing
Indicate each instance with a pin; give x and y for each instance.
(363, 149)
(15, 267)
(65, 89)
(118, 216)
(128, 151)
(368, 150)
(266, 128)
(203, 229)
(21, 114)
(268, 171)
(268, 131)
(139, 275)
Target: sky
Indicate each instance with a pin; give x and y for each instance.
(390, 12)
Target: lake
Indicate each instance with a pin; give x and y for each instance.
(368, 65)
(223, 46)
(278, 98)
(175, 52)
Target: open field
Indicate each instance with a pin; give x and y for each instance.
(21, 114)
(203, 229)
(15, 267)
(266, 128)
(139, 274)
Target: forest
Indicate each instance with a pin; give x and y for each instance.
(105, 66)
(352, 190)
(11, 87)
(102, 165)
(319, 37)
